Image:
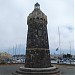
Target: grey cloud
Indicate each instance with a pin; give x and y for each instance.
(13, 21)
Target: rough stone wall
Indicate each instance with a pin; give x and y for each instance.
(37, 35)
(37, 58)
(37, 50)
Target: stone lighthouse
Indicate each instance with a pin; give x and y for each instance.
(37, 60)
(37, 50)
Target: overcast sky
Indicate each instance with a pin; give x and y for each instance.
(13, 22)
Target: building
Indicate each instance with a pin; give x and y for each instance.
(5, 57)
(37, 50)
(37, 60)
(18, 58)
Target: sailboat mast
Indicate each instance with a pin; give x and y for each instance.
(59, 40)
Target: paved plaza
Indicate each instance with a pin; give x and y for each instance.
(66, 69)
(8, 69)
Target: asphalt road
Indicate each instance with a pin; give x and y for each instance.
(8, 69)
(66, 69)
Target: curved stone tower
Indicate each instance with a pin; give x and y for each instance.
(37, 50)
(37, 61)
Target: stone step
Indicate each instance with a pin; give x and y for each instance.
(29, 70)
(44, 72)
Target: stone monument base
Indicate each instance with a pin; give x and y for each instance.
(37, 71)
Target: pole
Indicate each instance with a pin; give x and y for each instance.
(13, 53)
(59, 39)
(70, 47)
(13, 50)
(70, 51)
